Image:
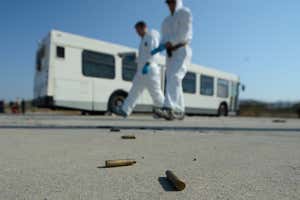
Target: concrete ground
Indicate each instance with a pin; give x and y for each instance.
(60, 157)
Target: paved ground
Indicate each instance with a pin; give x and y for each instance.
(46, 157)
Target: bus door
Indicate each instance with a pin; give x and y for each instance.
(234, 98)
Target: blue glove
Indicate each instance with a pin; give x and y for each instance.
(146, 69)
(159, 49)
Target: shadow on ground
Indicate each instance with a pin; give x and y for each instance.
(166, 185)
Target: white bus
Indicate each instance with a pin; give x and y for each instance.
(80, 73)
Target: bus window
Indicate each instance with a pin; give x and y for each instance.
(60, 52)
(207, 85)
(189, 83)
(98, 65)
(223, 88)
(129, 67)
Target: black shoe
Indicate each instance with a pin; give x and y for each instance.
(166, 113)
(174, 115)
(170, 115)
(161, 113)
(158, 113)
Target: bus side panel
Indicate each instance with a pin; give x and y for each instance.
(104, 88)
(72, 89)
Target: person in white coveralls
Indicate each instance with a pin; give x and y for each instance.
(148, 74)
(177, 33)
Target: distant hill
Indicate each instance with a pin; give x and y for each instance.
(251, 107)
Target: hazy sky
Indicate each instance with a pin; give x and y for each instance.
(258, 40)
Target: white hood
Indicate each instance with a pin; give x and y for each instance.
(179, 4)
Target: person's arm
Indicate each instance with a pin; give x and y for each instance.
(161, 46)
(164, 43)
(153, 43)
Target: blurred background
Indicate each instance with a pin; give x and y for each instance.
(258, 40)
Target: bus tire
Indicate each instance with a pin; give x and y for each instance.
(116, 99)
(223, 110)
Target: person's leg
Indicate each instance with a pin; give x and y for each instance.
(174, 94)
(154, 87)
(135, 92)
(176, 71)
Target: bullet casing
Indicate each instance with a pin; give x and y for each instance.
(128, 137)
(119, 163)
(176, 182)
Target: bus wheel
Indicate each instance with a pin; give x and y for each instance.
(223, 110)
(115, 101)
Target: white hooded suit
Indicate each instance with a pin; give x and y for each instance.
(176, 29)
(150, 81)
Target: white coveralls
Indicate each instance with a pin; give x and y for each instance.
(177, 28)
(150, 81)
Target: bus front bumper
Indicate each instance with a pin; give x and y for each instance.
(43, 102)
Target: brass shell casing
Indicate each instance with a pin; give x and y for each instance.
(128, 137)
(176, 182)
(119, 163)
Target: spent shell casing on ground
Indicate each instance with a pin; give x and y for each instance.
(128, 137)
(178, 184)
(119, 163)
(115, 129)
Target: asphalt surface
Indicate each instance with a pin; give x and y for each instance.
(61, 157)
